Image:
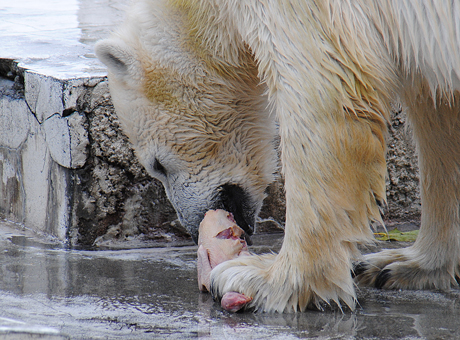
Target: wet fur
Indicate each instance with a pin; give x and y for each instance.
(330, 70)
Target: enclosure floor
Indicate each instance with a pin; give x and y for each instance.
(49, 292)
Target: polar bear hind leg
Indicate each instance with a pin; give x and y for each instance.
(433, 261)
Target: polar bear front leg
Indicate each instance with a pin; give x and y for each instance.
(332, 182)
(287, 282)
(433, 261)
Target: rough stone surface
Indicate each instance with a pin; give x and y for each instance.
(403, 194)
(116, 198)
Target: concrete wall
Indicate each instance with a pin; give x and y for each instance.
(42, 138)
(67, 169)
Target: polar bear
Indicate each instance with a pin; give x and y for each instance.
(203, 87)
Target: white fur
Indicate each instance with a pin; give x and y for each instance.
(330, 69)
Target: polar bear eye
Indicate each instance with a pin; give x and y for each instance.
(158, 167)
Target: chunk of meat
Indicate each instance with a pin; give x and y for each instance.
(220, 239)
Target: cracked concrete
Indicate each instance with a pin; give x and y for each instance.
(37, 149)
(68, 171)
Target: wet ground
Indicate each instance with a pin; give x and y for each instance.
(48, 292)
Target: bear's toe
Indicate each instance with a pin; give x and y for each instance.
(404, 269)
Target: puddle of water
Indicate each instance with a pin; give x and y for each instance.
(152, 293)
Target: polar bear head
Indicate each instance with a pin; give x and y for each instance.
(197, 123)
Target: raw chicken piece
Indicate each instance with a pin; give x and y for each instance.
(221, 237)
(220, 240)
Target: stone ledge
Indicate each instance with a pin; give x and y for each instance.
(67, 169)
(39, 144)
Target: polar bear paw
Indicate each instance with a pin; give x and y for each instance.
(273, 289)
(406, 268)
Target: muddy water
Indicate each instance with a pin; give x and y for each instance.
(53, 293)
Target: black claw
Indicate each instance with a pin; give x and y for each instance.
(358, 269)
(382, 278)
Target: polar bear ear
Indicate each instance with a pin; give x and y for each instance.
(116, 55)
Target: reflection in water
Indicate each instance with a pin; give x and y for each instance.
(294, 325)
